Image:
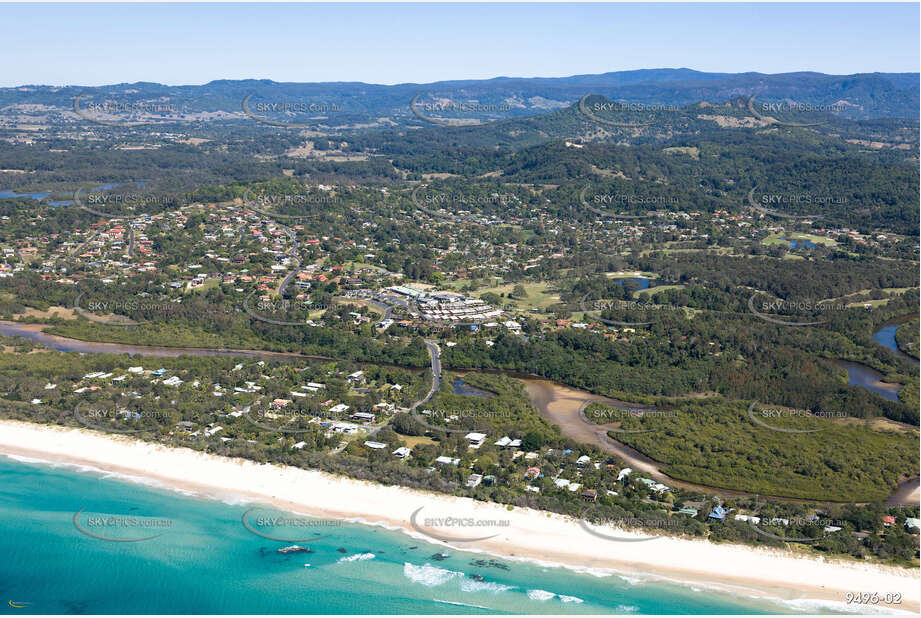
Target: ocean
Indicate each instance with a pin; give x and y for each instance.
(76, 540)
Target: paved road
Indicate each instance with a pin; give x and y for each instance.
(435, 354)
(79, 249)
(130, 241)
(292, 252)
(387, 309)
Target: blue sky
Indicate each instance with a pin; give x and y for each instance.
(92, 44)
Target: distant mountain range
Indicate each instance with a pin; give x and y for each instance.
(863, 96)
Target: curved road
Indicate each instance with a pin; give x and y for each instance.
(435, 354)
(292, 253)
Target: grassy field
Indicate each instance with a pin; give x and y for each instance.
(356, 265)
(540, 295)
(782, 238)
(691, 151)
(659, 288)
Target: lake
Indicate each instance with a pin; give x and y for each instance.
(641, 283)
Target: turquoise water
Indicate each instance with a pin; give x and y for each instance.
(204, 560)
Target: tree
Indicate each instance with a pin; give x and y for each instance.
(533, 440)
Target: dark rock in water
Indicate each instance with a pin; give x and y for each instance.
(341, 550)
(414, 547)
(489, 564)
(440, 556)
(476, 577)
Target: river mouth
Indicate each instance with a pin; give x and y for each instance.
(563, 405)
(558, 403)
(34, 332)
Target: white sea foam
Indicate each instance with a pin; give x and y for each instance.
(461, 604)
(428, 575)
(633, 581)
(540, 595)
(544, 595)
(472, 585)
(357, 558)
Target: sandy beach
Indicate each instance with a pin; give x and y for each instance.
(528, 535)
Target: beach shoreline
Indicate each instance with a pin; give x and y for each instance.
(531, 535)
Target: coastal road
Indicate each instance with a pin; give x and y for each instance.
(435, 354)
